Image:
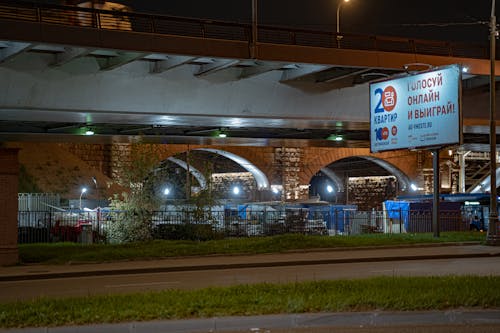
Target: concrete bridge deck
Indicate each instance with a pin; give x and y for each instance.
(182, 79)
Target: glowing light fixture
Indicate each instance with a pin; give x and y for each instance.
(413, 187)
(86, 130)
(84, 190)
(220, 133)
(236, 190)
(335, 137)
(329, 188)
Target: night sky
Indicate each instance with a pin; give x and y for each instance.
(454, 20)
(449, 19)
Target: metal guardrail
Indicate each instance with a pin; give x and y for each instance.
(202, 28)
(87, 227)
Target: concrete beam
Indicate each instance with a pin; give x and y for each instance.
(161, 66)
(69, 54)
(13, 49)
(259, 68)
(215, 66)
(351, 74)
(123, 58)
(301, 71)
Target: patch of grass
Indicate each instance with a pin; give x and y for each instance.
(62, 253)
(383, 293)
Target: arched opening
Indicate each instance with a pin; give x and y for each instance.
(260, 177)
(364, 181)
(228, 176)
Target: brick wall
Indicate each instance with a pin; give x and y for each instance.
(223, 184)
(97, 156)
(292, 167)
(369, 192)
(9, 171)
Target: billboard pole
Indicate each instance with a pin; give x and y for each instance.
(493, 237)
(435, 201)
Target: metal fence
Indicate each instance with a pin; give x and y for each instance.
(88, 227)
(38, 201)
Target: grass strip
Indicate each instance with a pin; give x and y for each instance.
(62, 253)
(381, 293)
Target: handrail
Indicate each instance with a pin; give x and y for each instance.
(225, 30)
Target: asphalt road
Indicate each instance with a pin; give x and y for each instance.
(128, 283)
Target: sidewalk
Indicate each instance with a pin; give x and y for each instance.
(311, 257)
(457, 321)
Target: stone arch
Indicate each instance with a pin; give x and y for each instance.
(403, 164)
(402, 178)
(260, 178)
(195, 172)
(334, 178)
(364, 181)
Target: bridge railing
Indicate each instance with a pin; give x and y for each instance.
(203, 28)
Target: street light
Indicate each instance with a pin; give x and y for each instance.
(84, 189)
(236, 190)
(97, 190)
(338, 18)
(166, 191)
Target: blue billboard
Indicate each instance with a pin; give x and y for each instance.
(416, 111)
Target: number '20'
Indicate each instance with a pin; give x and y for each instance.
(379, 108)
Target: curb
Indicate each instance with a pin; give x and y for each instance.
(191, 268)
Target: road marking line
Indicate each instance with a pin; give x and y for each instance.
(383, 271)
(139, 284)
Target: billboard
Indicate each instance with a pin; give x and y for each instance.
(416, 111)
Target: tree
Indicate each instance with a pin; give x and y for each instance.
(135, 207)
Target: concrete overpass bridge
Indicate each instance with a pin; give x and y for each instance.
(179, 81)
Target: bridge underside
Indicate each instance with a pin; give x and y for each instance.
(60, 80)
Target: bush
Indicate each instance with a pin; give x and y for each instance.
(187, 231)
(130, 226)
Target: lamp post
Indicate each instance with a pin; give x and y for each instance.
(97, 190)
(338, 21)
(253, 45)
(98, 208)
(84, 189)
(493, 237)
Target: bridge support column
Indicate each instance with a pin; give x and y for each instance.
(289, 162)
(9, 179)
